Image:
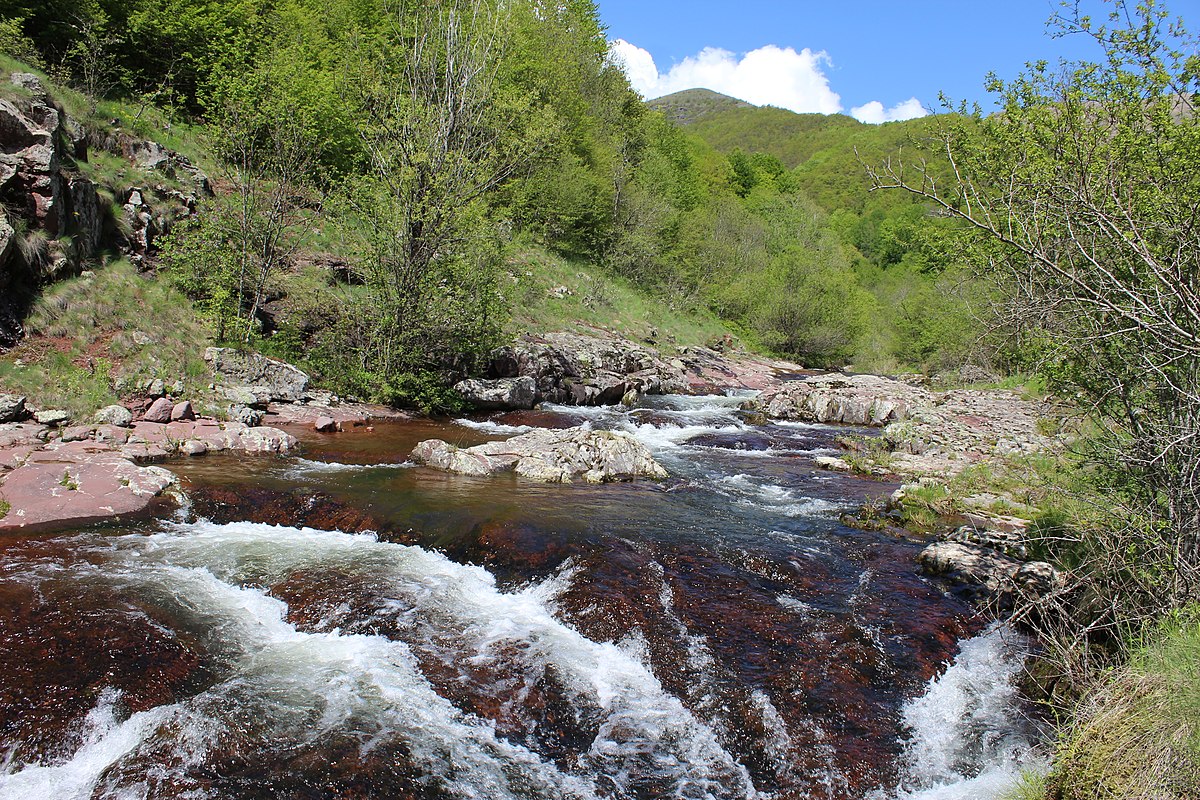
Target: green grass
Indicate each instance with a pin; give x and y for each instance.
(1138, 734)
(5, 507)
(87, 333)
(596, 301)
(1030, 786)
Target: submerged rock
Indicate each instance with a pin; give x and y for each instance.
(555, 456)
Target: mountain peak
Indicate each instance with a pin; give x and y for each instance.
(693, 105)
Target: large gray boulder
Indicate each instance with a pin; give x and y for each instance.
(587, 370)
(553, 456)
(987, 571)
(500, 394)
(257, 374)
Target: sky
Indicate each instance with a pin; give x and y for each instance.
(877, 60)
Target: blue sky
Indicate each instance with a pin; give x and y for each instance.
(876, 59)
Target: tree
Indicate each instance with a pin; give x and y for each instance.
(440, 133)
(1083, 196)
(248, 235)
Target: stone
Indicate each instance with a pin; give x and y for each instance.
(1007, 542)
(53, 418)
(549, 456)
(499, 394)
(1038, 578)
(325, 424)
(193, 447)
(182, 411)
(12, 408)
(119, 416)
(159, 411)
(254, 397)
(77, 433)
(280, 381)
(850, 399)
(251, 417)
(112, 434)
(76, 484)
(970, 564)
(833, 463)
(157, 388)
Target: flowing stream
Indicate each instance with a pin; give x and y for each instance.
(346, 625)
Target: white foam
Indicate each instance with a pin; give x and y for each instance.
(749, 491)
(968, 739)
(499, 428)
(106, 740)
(305, 465)
(670, 437)
(306, 684)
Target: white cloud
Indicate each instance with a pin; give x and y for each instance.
(873, 112)
(770, 75)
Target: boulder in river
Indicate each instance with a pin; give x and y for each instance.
(499, 394)
(553, 456)
(991, 563)
(851, 399)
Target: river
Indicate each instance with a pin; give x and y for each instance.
(347, 625)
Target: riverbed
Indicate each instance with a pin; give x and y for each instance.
(344, 624)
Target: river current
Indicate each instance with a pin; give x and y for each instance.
(347, 625)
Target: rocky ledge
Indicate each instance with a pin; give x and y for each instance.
(606, 369)
(57, 476)
(925, 433)
(553, 456)
(993, 566)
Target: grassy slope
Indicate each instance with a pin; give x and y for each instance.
(86, 333)
(1138, 734)
(596, 301)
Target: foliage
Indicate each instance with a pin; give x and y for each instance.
(1081, 196)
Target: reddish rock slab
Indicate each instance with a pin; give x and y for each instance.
(78, 482)
(81, 479)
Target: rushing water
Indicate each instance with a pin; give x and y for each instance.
(345, 625)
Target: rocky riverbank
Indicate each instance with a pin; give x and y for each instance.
(925, 433)
(606, 369)
(928, 438)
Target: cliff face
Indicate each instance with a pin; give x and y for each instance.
(54, 218)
